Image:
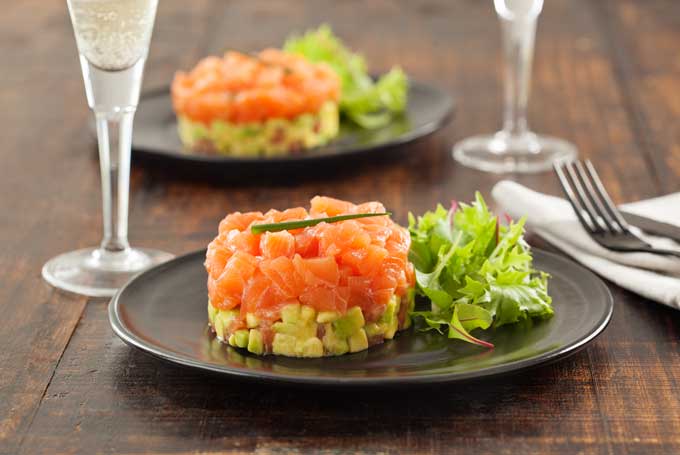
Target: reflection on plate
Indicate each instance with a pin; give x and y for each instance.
(162, 312)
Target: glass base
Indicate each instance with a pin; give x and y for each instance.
(503, 152)
(99, 273)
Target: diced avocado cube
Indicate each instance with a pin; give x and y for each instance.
(240, 338)
(333, 343)
(312, 347)
(411, 302)
(307, 314)
(191, 131)
(218, 326)
(299, 330)
(352, 321)
(232, 340)
(327, 316)
(223, 320)
(358, 341)
(307, 331)
(390, 310)
(255, 343)
(291, 313)
(252, 321)
(284, 344)
(391, 328)
(287, 328)
(373, 329)
(341, 347)
(212, 311)
(390, 318)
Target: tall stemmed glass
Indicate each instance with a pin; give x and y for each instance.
(113, 40)
(515, 148)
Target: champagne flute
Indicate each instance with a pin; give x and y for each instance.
(515, 148)
(113, 40)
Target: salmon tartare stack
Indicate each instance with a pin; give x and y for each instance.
(322, 290)
(272, 103)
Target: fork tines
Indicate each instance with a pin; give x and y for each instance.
(592, 204)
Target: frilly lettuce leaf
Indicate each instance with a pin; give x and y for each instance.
(368, 103)
(476, 272)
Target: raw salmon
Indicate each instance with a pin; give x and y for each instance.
(330, 266)
(241, 88)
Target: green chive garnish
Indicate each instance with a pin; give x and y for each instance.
(299, 224)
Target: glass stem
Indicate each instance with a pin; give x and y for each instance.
(518, 53)
(114, 134)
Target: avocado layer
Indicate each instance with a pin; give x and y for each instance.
(274, 137)
(302, 332)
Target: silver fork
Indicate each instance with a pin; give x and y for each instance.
(596, 211)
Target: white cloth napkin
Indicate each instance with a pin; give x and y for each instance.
(653, 276)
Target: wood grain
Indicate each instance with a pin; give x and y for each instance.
(605, 77)
(644, 43)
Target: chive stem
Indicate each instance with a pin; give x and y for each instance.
(299, 224)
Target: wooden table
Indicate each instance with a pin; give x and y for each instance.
(606, 76)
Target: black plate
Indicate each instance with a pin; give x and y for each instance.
(155, 134)
(163, 312)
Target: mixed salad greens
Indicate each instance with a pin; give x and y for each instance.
(477, 272)
(368, 103)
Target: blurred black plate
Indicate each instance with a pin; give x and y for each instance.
(155, 135)
(163, 312)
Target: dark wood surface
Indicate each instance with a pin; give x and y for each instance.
(606, 76)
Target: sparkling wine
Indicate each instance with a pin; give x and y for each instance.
(113, 34)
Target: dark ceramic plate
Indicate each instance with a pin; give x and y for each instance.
(163, 312)
(155, 134)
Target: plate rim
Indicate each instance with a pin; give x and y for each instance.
(133, 340)
(402, 140)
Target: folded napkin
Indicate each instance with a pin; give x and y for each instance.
(653, 276)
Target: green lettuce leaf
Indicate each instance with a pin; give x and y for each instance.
(368, 103)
